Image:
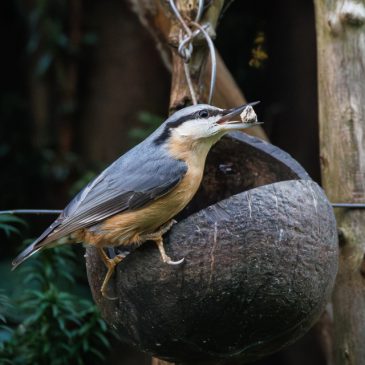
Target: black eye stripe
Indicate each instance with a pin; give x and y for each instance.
(167, 130)
(174, 124)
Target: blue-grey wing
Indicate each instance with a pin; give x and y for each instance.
(121, 187)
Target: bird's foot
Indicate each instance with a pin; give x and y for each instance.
(158, 234)
(110, 264)
(157, 237)
(166, 227)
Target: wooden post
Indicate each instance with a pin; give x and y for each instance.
(341, 85)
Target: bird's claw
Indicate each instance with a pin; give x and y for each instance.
(107, 297)
(170, 262)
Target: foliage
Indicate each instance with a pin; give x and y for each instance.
(48, 325)
(5, 330)
(58, 329)
(150, 122)
(258, 53)
(7, 222)
(4, 306)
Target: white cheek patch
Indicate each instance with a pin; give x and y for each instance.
(193, 129)
(186, 130)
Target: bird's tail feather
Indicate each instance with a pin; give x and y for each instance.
(40, 243)
(25, 254)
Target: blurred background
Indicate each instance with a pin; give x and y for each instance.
(81, 83)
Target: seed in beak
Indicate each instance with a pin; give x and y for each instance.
(248, 115)
(229, 114)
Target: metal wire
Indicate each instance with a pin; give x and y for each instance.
(185, 48)
(349, 205)
(188, 76)
(186, 42)
(190, 84)
(179, 17)
(31, 211)
(213, 60)
(58, 211)
(200, 11)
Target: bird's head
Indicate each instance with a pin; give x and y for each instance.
(206, 123)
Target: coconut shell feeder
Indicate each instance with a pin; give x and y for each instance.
(260, 246)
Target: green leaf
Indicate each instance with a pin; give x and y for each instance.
(102, 339)
(102, 325)
(9, 218)
(8, 229)
(97, 354)
(55, 326)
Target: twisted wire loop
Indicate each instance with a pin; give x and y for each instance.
(185, 48)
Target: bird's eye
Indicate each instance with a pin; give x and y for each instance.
(203, 114)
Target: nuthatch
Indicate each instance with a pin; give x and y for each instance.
(136, 197)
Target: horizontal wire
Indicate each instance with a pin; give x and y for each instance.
(59, 211)
(31, 211)
(349, 205)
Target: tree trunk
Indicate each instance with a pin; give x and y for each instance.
(341, 86)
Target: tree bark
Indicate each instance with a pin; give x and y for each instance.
(341, 85)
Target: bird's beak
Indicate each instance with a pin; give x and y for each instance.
(248, 119)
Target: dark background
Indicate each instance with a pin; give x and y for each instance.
(76, 75)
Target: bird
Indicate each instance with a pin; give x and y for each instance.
(136, 198)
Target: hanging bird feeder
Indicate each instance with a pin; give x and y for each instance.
(260, 247)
